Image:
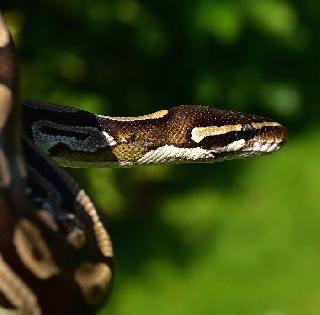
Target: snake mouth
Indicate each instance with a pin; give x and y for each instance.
(267, 140)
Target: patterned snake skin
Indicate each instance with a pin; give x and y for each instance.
(55, 254)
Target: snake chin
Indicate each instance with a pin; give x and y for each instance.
(262, 147)
(267, 140)
(254, 147)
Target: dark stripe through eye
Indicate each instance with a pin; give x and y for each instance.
(247, 132)
(220, 140)
(67, 133)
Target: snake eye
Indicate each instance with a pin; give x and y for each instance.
(248, 131)
(247, 127)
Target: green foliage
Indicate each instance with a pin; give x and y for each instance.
(240, 237)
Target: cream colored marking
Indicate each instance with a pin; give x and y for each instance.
(28, 241)
(263, 146)
(76, 237)
(6, 103)
(17, 292)
(199, 133)
(236, 145)
(93, 280)
(273, 147)
(110, 140)
(5, 176)
(4, 34)
(265, 124)
(231, 147)
(47, 219)
(103, 238)
(171, 153)
(156, 115)
(6, 311)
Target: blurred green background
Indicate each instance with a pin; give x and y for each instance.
(240, 237)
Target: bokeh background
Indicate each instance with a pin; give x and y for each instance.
(240, 237)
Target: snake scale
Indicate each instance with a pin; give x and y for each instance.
(55, 254)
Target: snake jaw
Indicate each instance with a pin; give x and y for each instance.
(268, 139)
(265, 140)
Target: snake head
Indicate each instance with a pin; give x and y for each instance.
(229, 135)
(192, 133)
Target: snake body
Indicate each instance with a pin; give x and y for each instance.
(55, 254)
(187, 133)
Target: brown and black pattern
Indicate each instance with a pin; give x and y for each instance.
(176, 126)
(55, 254)
(135, 137)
